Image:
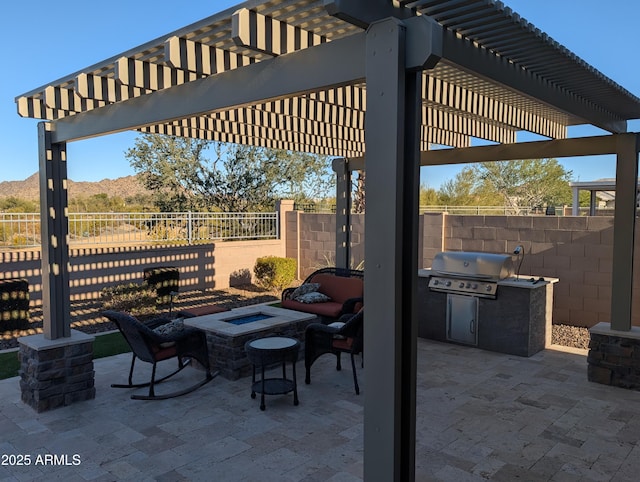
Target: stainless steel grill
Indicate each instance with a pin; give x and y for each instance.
(470, 273)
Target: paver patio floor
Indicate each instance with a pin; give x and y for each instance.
(480, 416)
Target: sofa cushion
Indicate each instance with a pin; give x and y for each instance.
(304, 289)
(313, 297)
(339, 288)
(329, 309)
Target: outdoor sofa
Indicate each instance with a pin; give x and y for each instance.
(328, 293)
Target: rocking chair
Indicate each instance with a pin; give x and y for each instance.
(153, 347)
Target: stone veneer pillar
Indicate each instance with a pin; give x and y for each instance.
(614, 356)
(56, 373)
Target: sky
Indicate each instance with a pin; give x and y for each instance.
(44, 42)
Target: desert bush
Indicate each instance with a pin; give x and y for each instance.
(274, 273)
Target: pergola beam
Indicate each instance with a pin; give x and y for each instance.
(269, 36)
(575, 147)
(324, 66)
(484, 63)
(582, 146)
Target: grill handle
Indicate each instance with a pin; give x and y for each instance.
(461, 275)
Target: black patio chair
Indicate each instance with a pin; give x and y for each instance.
(153, 347)
(346, 336)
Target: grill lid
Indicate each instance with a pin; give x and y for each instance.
(468, 264)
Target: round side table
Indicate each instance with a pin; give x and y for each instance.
(269, 351)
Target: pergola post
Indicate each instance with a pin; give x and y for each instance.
(624, 231)
(56, 366)
(575, 207)
(391, 218)
(343, 212)
(54, 233)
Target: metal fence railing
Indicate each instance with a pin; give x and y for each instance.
(462, 210)
(315, 207)
(23, 229)
(491, 210)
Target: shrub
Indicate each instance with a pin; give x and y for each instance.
(274, 273)
(137, 299)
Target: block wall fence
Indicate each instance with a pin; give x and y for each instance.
(205, 266)
(577, 250)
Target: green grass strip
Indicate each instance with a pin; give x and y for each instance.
(9, 365)
(104, 345)
(109, 345)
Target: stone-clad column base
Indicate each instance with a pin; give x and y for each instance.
(614, 356)
(56, 373)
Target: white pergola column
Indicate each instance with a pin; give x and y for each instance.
(343, 212)
(624, 231)
(391, 220)
(54, 233)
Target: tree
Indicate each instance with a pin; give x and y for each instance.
(428, 196)
(534, 182)
(13, 204)
(168, 166)
(237, 178)
(97, 203)
(460, 190)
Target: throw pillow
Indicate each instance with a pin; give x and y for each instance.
(313, 297)
(304, 289)
(171, 328)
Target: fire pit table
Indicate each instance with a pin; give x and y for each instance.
(228, 332)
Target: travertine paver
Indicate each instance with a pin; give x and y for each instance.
(481, 416)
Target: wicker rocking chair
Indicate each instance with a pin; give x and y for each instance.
(337, 338)
(152, 347)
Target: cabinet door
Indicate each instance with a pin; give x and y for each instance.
(462, 319)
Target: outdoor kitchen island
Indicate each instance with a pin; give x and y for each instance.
(495, 311)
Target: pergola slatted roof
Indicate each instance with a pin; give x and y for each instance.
(366, 80)
(459, 102)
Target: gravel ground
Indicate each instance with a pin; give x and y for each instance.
(573, 336)
(86, 317)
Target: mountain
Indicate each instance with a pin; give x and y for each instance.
(29, 189)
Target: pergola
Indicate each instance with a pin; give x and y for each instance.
(604, 185)
(376, 83)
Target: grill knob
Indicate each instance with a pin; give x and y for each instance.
(487, 288)
(448, 283)
(461, 285)
(474, 286)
